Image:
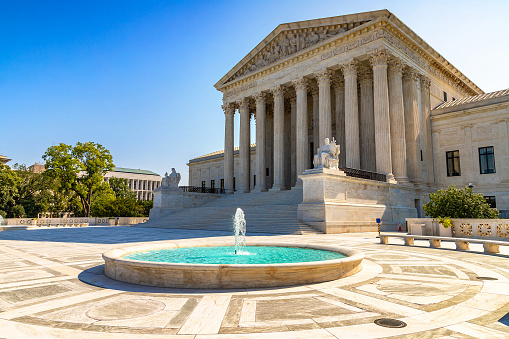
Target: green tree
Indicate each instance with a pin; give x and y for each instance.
(459, 203)
(120, 187)
(9, 190)
(80, 169)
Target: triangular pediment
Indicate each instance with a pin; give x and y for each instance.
(294, 37)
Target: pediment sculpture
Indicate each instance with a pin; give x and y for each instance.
(327, 156)
(286, 44)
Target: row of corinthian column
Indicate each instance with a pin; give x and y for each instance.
(384, 128)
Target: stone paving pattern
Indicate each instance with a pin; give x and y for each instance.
(52, 286)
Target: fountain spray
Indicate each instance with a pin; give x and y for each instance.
(239, 229)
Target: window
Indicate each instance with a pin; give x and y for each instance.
(421, 154)
(144, 187)
(203, 184)
(453, 163)
(222, 184)
(135, 185)
(254, 180)
(491, 201)
(212, 184)
(486, 160)
(445, 96)
(234, 184)
(267, 172)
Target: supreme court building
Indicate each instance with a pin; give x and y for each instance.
(371, 83)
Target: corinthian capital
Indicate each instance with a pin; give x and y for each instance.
(365, 75)
(229, 108)
(395, 67)
(425, 83)
(323, 76)
(244, 104)
(350, 67)
(300, 84)
(278, 91)
(338, 83)
(411, 74)
(260, 98)
(378, 57)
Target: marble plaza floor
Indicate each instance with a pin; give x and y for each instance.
(52, 286)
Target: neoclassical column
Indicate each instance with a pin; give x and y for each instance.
(338, 84)
(261, 110)
(397, 119)
(279, 143)
(426, 114)
(324, 106)
(301, 160)
(293, 139)
(316, 126)
(381, 102)
(229, 112)
(352, 152)
(367, 121)
(244, 146)
(410, 97)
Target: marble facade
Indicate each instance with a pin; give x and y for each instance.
(365, 79)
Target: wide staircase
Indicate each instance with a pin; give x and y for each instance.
(265, 212)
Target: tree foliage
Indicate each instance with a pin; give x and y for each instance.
(80, 168)
(9, 185)
(459, 203)
(120, 187)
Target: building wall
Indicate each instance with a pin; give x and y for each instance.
(466, 130)
(142, 184)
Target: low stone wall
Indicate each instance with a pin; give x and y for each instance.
(170, 200)
(461, 228)
(93, 221)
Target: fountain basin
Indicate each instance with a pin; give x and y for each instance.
(217, 276)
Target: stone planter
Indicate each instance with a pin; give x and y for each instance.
(443, 231)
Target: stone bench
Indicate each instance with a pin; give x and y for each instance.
(490, 246)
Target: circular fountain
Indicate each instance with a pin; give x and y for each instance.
(217, 264)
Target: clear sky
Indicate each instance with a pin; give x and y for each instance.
(137, 76)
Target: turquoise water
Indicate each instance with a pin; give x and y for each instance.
(225, 255)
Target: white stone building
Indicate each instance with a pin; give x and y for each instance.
(390, 100)
(142, 182)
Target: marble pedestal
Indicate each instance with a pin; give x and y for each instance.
(335, 203)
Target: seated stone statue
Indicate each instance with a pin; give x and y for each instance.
(171, 180)
(327, 155)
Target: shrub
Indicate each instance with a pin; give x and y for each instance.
(459, 203)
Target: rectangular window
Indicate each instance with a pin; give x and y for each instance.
(453, 163)
(486, 160)
(445, 96)
(222, 184)
(254, 180)
(144, 186)
(203, 184)
(135, 185)
(267, 172)
(234, 184)
(212, 184)
(491, 200)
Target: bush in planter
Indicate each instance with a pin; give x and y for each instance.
(458, 203)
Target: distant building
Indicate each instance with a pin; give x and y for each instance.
(37, 168)
(142, 182)
(4, 159)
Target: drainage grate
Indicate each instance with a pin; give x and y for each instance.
(388, 322)
(486, 278)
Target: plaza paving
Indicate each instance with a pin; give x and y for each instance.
(51, 285)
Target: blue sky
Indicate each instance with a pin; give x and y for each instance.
(137, 76)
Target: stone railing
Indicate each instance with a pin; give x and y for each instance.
(461, 228)
(93, 221)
